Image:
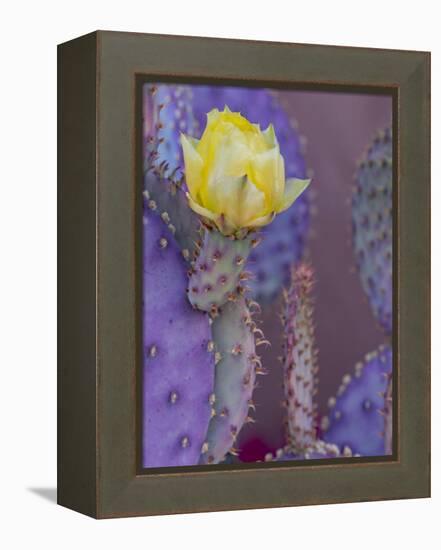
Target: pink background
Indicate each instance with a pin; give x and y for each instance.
(337, 127)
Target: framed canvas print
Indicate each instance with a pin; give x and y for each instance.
(244, 274)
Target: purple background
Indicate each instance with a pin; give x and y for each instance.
(337, 129)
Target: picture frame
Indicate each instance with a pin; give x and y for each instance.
(99, 335)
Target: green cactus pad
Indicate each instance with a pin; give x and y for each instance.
(234, 342)
(217, 270)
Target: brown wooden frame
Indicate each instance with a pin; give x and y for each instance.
(99, 275)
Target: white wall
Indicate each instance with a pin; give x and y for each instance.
(29, 34)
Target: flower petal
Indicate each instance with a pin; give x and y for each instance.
(267, 172)
(226, 160)
(260, 222)
(193, 165)
(201, 210)
(247, 202)
(236, 174)
(270, 136)
(293, 189)
(225, 224)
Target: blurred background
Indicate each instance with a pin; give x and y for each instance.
(335, 130)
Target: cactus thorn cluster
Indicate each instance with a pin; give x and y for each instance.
(217, 271)
(300, 369)
(300, 365)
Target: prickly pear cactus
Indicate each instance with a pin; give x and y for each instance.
(217, 272)
(300, 360)
(372, 226)
(356, 421)
(178, 362)
(284, 240)
(168, 198)
(237, 364)
(171, 109)
(167, 113)
(300, 373)
(317, 450)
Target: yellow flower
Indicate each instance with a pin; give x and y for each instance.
(235, 173)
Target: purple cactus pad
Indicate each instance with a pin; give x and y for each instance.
(356, 419)
(178, 366)
(372, 227)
